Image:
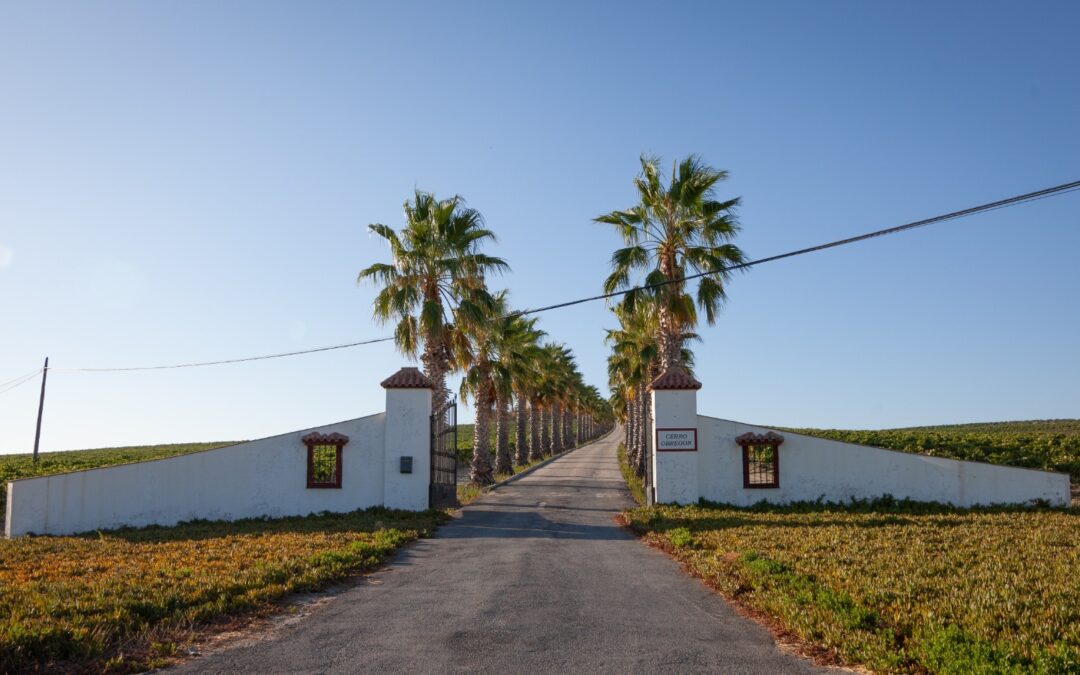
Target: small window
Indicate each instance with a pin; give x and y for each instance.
(324, 459)
(761, 459)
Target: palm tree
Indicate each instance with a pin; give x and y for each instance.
(520, 353)
(537, 439)
(558, 372)
(674, 229)
(633, 361)
(485, 379)
(434, 282)
(515, 340)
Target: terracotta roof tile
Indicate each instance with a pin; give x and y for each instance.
(675, 377)
(768, 438)
(407, 378)
(316, 438)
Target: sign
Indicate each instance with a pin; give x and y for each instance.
(673, 440)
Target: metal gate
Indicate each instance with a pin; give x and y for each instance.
(442, 491)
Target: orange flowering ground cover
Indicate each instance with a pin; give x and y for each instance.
(120, 600)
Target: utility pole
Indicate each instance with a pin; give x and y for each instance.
(40, 409)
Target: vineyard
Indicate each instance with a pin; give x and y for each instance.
(1053, 445)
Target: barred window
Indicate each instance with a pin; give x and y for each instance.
(761, 459)
(324, 459)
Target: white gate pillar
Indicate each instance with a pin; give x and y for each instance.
(407, 440)
(674, 437)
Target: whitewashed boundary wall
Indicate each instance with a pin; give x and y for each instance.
(810, 468)
(266, 477)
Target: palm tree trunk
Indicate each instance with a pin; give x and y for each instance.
(670, 331)
(545, 430)
(536, 441)
(435, 368)
(522, 450)
(556, 430)
(568, 429)
(503, 463)
(480, 469)
(645, 431)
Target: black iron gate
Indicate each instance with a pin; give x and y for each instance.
(443, 489)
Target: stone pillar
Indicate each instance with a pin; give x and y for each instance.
(674, 437)
(407, 434)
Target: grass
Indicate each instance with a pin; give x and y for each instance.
(123, 600)
(635, 484)
(1053, 445)
(23, 466)
(896, 587)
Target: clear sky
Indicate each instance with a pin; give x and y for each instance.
(192, 180)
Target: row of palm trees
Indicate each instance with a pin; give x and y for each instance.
(435, 292)
(678, 228)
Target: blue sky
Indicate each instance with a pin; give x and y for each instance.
(191, 180)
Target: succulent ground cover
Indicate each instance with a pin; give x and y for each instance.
(123, 600)
(1038, 444)
(897, 587)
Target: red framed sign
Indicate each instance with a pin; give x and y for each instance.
(676, 440)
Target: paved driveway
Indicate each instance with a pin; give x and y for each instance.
(534, 577)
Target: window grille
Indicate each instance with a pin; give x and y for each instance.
(761, 459)
(324, 459)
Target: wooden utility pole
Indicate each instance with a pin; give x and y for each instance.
(41, 408)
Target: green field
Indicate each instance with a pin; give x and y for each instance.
(1053, 445)
(23, 466)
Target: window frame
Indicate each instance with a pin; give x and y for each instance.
(751, 442)
(314, 440)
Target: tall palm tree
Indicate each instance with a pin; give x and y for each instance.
(537, 438)
(558, 372)
(676, 228)
(434, 282)
(633, 361)
(485, 379)
(520, 355)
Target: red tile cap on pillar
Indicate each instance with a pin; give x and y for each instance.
(675, 377)
(407, 378)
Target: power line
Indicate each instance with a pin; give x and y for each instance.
(30, 374)
(21, 381)
(224, 361)
(982, 208)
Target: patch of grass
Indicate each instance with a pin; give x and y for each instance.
(633, 483)
(23, 466)
(467, 493)
(1053, 445)
(122, 599)
(895, 586)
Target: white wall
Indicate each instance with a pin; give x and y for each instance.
(408, 434)
(813, 468)
(267, 477)
(675, 472)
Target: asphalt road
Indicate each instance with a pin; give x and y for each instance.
(533, 577)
